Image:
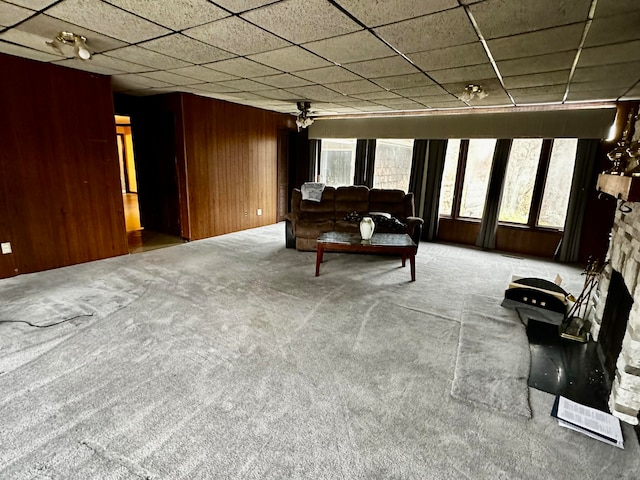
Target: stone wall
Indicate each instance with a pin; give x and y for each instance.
(624, 257)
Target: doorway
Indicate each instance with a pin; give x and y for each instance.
(142, 235)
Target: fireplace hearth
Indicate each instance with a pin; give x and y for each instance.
(616, 316)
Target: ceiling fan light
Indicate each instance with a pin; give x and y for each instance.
(80, 47)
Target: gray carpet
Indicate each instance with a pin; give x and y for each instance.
(493, 361)
(227, 358)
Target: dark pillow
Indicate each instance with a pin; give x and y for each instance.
(352, 217)
(389, 224)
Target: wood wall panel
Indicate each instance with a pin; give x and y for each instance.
(60, 162)
(539, 243)
(231, 163)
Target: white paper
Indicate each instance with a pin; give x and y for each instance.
(564, 424)
(587, 419)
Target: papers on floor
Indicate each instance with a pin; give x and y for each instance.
(589, 421)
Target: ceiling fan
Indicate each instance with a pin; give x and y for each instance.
(303, 120)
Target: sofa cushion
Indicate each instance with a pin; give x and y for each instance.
(347, 226)
(349, 199)
(325, 205)
(388, 201)
(312, 228)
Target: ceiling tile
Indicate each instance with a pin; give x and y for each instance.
(471, 74)
(34, 4)
(107, 19)
(185, 48)
(379, 95)
(301, 21)
(374, 107)
(378, 13)
(237, 36)
(244, 95)
(608, 54)
(131, 81)
(25, 52)
(404, 81)
(283, 80)
(341, 49)
(327, 75)
(537, 79)
(539, 63)
(12, 14)
(608, 8)
(594, 95)
(620, 28)
(628, 71)
(424, 91)
(542, 90)
(497, 18)
(405, 105)
(237, 6)
(536, 99)
(40, 29)
(290, 59)
(613, 84)
(244, 85)
(142, 56)
(170, 78)
(537, 43)
(278, 94)
(632, 94)
(349, 88)
(177, 14)
(440, 101)
(241, 67)
(213, 88)
(317, 93)
(443, 29)
(450, 57)
(203, 74)
(382, 67)
(107, 63)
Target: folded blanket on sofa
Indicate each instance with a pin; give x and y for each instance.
(312, 191)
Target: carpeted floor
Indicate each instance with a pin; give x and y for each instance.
(227, 358)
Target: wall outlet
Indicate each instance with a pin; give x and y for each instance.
(6, 248)
(259, 212)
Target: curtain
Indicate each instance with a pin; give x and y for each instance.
(314, 160)
(430, 198)
(365, 153)
(489, 226)
(584, 173)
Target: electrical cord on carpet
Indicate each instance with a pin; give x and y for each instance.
(48, 325)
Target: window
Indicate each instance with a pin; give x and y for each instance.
(476, 177)
(392, 167)
(449, 177)
(536, 186)
(337, 161)
(520, 180)
(557, 188)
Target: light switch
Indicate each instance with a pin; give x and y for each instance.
(6, 248)
(259, 212)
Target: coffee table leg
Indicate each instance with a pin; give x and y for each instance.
(319, 254)
(412, 262)
(404, 259)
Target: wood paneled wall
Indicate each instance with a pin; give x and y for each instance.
(231, 164)
(60, 176)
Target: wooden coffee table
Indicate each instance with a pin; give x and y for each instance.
(388, 243)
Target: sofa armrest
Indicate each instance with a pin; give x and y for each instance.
(414, 228)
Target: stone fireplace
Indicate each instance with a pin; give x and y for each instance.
(612, 306)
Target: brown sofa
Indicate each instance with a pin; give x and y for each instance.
(308, 219)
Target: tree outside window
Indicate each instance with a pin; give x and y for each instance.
(392, 167)
(337, 161)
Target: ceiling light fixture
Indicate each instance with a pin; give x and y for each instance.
(79, 43)
(473, 92)
(303, 120)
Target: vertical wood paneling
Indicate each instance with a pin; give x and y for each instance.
(231, 162)
(59, 158)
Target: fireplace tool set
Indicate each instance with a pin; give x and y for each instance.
(575, 325)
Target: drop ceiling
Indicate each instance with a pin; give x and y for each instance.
(345, 56)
